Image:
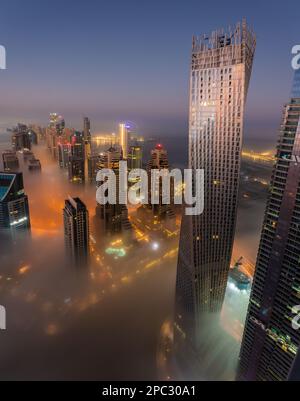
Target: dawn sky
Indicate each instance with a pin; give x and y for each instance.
(130, 60)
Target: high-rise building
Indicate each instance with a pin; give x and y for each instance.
(76, 231)
(53, 119)
(76, 169)
(52, 141)
(77, 144)
(10, 160)
(92, 165)
(115, 216)
(20, 138)
(14, 210)
(134, 160)
(64, 150)
(270, 343)
(159, 161)
(60, 126)
(33, 137)
(34, 164)
(134, 157)
(123, 134)
(77, 158)
(87, 129)
(219, 77)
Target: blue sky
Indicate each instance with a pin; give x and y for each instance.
(130, 60)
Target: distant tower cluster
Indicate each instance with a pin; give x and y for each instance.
(76, 231)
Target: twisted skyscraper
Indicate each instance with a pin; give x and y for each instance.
(220, 72)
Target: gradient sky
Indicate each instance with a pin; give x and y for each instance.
(130, 60)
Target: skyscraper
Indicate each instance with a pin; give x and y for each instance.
(87, 129)
(115, 216)
(270, 343)
(77, 158)
(20, 138)
(10, 160)
(76, 231)
(77, 144)
(219, 77)
(76, 169)
(93, 166)
(14, 210)
(134, 157)
(134, 160)
(63, 150)
(123, 133)
(159, 161)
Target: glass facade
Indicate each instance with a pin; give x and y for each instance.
(220, 72)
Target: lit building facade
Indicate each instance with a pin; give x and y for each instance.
(76, 169)
(93, 166)
(10, 160)
(134, 157)
(87, 129)
(219, 76)
(159, 161)
(76, 231)
(270, 343)
(64, 150)
(20, 138)
(14, 209)
(123, 134)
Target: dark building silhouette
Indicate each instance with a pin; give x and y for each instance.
(21, 138)
(220, 72)
(115, 216)
(76, 231)
(270, 346)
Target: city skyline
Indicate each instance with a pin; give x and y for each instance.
(109, 96)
